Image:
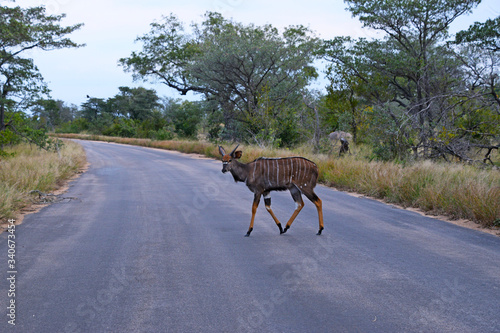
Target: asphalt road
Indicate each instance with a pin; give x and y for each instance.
(156, 244)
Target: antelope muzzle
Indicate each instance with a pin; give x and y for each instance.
(225, 166)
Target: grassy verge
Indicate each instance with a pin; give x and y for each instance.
(457, 191)
(30, 168)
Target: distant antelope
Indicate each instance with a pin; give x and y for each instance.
(296, 174)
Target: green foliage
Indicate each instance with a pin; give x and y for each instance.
(52, 113)
(485, 35)
(136, 117)
(134, 103)
(161, 134)
(234, 65)
(75, 126)
(186, 117)
(21, 127)
(121, 127)
(156, 127)
(134, 112)
(21, 84)
(166, 52)
(344, 99)
(409, 94)
(424, 99)
(277, 130)
(403, 17)
(8, 137)
(215, 125)
(288, 131)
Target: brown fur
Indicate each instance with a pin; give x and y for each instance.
(296, 174)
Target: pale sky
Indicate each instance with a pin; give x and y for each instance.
(111, 26)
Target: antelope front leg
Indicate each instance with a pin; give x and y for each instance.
(255, 204)
(267, 201)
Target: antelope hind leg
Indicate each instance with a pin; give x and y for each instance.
(297, 197)
(319, 206)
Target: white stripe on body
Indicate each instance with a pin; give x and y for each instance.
(253, 173)
(277, 173)
(268, 170)
(300, 170)
(285, 171)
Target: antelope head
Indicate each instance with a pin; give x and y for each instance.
(228, 159)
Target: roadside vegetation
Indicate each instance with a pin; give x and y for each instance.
(421, 106)
(455, 190)
(25, 168)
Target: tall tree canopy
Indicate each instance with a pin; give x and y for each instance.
(21, 30)
(134, 103)
(249, 70)
(411, 81)
(485, 34)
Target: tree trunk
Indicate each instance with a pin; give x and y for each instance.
(2, 117)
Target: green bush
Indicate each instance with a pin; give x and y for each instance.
(186, 119)
(123, 128)
(76, 126)
(163, 134)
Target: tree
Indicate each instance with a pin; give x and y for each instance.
(134, 103)
(312, 102)
(485, 35)
(48, 110)
(94, 108)
(249, 70)
(478, 49)
(186, 118)
(165, 55)
(412, 77)
(344, 97)
(53, 112)
(20, 81)
(244, 66)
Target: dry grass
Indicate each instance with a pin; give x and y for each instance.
(457, 191)
(33, 169)
(454, 190)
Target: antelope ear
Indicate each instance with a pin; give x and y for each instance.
(222, 151)
(237, 154)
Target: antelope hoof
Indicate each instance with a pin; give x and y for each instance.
(281, 229)
(248, 232)
(319, 232)
(286, 228)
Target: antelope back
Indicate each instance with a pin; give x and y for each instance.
(280, 173)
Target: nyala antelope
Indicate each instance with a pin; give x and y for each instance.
(296, 174)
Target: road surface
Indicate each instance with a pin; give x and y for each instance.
(156, 243)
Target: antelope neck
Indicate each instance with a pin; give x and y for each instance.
(239, 171)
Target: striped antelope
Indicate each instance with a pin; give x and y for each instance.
(296, 174)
